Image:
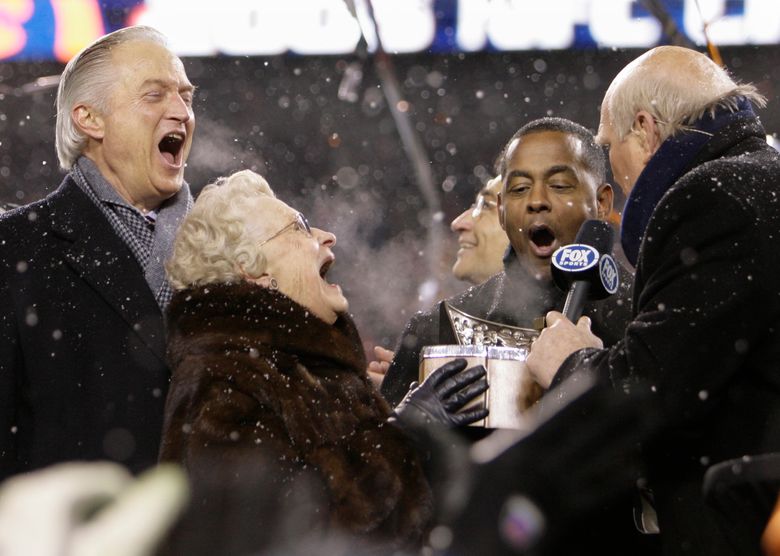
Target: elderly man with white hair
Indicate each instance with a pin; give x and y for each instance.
(82, 283)
(700, 224)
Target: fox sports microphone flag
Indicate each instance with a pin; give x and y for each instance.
(585, 269)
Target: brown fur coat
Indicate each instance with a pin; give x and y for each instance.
(256, 377)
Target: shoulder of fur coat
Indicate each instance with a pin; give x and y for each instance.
(255, 375)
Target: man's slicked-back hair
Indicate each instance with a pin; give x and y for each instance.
(592, 154)
(88, 78)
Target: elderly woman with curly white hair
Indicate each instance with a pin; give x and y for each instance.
(268, 368)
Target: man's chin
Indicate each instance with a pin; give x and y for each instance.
(461, 270)
(539, 268)
(169, 182)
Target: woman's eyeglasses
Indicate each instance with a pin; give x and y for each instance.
(300, 222)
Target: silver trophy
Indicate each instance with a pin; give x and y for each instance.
(502, 350)
(473, 331)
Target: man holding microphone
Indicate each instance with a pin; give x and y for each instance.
(701, 222)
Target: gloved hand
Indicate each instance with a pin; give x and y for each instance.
(442, 394)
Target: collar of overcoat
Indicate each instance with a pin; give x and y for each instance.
(700, 142)
(99, 257)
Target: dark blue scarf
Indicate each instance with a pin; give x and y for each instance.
(675, 156)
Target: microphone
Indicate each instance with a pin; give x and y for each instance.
(586, 268)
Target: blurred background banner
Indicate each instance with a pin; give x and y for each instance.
(56, 29)
(293, 90)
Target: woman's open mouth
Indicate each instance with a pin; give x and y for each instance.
(325, 268)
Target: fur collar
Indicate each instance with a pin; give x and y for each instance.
(246, 316)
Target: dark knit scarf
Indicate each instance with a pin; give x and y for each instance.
(151, 244)
(676, 156)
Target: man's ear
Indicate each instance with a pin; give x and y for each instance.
(604, 200)
(89, 122)
(649, 133)
(501, 208)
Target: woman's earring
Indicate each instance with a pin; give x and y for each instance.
(274, 284)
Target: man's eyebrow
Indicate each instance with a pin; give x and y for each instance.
(559, 169)
(518, 174)
(167, 83)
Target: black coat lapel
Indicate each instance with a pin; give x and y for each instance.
(92, 248)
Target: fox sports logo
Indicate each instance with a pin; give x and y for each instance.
(576, 257)
(609, 273)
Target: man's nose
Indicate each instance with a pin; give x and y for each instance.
(538, 199)
(464, 222)
(180, 109)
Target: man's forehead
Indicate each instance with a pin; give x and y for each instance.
(181, 71)
(604, 110)
(168, 82)
(491, 189)
(556, 147)
(146, 60)
(605, 128)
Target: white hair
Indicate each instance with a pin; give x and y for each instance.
(677, 86)
(88, 78)
(213, 244)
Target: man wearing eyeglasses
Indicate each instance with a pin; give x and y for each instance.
(481, 240)
(482, 246)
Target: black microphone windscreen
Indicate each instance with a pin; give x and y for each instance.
(598, 234)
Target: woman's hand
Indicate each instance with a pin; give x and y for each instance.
(378, 369)
(446, 390)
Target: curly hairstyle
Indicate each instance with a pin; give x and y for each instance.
(213, 245)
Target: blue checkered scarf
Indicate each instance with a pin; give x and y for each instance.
(150, 240)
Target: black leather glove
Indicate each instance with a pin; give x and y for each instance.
(442, 394)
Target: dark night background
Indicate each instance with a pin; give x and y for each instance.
(342, 163)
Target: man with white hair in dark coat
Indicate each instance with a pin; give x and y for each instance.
(82, 282)
(700, 224)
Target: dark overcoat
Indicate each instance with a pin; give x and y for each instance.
(705, 336)
(82, 353)
(257, 378)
